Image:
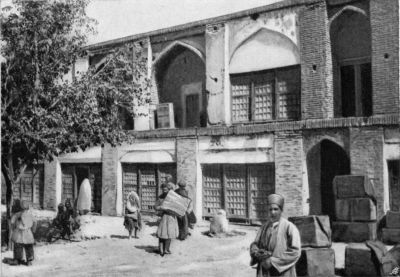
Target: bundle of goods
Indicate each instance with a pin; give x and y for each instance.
(175, 203)
(317, 257)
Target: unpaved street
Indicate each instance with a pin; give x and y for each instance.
(115, 255)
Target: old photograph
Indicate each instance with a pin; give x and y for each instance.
(200, 138)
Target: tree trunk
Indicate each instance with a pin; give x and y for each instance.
(8, 177)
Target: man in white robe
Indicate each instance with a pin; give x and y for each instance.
(277, 246)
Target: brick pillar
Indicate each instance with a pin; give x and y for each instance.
(215, 63)
(316, 62)
(366, 158)
(385, 55)
(52, 184)
(109, 180)
(289, 171)
(186, 162)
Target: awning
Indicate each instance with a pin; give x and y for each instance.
(152, 156)
(91, 155)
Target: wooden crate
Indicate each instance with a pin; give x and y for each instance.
(315, 231)
(391, 236)
(355, 209)
(353, 231)
(353, 186)
(318, 262)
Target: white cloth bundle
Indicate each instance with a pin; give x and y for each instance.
(85, 196)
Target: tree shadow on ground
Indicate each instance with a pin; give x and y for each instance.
(118, 237)
(148, 248)
(151, 223)
(231, 233)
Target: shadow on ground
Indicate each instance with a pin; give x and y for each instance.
(148, 248)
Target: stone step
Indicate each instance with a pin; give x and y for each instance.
(353, 186)
(355, 209)
(392, 220)
(315, 231)
(353, 231)
(359, 261)
(316, 262)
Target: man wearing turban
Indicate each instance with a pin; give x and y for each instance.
(277, 246)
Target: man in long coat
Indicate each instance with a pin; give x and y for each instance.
(277, 246)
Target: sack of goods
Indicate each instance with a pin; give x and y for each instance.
(175, 203)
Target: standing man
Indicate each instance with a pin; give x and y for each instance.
(183, 222)
(277, 246)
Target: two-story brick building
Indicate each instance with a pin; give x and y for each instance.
(279, 98)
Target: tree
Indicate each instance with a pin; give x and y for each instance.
(44, 117)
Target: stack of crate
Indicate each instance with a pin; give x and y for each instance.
(355, 209)
(317, 257)
(391, 234)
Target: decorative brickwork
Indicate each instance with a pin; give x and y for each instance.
(366, 150)
(385, 55)
(289, 170)
(316, 62)
(186, 152)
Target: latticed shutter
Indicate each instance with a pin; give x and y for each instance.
(68, 184)
(149, 188)
(236, 191)
(263, 104)
(288, 92)
(262, 183)
(27, 185)
(212, 189)
(129, 181)
(38, 184)
(241, 90)
(95, 179)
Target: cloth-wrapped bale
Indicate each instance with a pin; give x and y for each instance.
(219, 223)
(316, 262)
(393, 220)
(355, 209)
(391, 236)
(353, 186)
(353, 231)
(359, 261)
(315, 231)
(85, 196)
(175, 203)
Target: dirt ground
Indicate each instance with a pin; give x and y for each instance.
(112, 254)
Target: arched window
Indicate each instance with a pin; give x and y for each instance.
(350, 33)
(265, 78)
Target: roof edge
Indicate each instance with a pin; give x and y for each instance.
(203, 22)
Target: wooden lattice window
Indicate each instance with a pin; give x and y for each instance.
(266, 95)
(240, 189)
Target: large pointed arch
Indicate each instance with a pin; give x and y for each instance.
(264, 49)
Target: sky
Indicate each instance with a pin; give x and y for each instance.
(119, 18)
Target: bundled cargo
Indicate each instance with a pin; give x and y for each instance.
(353, 186)
(175, 203)
(391, 236)
(316, 262)
(315, 231)
(393, 220)
(353, 231)
(359, 261)
(355, 209)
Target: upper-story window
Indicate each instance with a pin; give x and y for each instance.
(266, 95)
(350, 33)
(265, 79)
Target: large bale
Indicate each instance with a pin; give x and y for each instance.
(391, 236)
(353, 186)
(359, 261)
(219, 223)
(316, 262)
(353, 231)
(315, 231)
(355, 209)
(393, 220)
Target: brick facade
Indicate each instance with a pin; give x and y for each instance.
(289, 170)
(186, 153)
(384, 16)
(316, 62)
(109, 180)
(366, 158)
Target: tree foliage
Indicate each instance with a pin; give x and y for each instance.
(44, 116)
